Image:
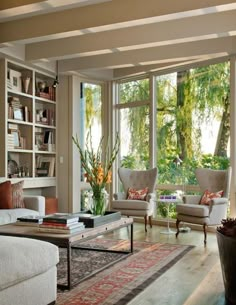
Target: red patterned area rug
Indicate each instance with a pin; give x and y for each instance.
(122, 281)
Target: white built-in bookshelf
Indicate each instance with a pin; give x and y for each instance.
(28, 126)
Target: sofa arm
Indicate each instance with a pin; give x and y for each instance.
(119, 196)
(36, 203)
(191, 199)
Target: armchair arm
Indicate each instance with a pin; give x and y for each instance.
(151, 196)
(191, 199)
(217, 201)
(36, 203)
(119, 196)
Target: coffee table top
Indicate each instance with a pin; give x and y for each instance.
(63, 239)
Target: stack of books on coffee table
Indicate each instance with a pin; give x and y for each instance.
(30, 220)
(61, 223)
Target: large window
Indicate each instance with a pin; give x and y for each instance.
(90, 120)
(192, 125)
(134, 123)
(192, 122)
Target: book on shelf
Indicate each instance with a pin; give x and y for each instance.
(31, 218)
(61, 231)
(12, 126)
(61, 218)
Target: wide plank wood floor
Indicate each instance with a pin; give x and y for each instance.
(195, 280)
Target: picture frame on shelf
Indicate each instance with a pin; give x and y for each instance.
(15, 80)
(16, 138)
(47, 163)
(18, 114)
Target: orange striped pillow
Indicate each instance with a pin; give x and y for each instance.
(17, 195)
(208, 196)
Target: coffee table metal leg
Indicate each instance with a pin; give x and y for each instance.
(131, 238)
(69, 266)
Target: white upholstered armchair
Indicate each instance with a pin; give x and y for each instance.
(138, 180)
(210, 214)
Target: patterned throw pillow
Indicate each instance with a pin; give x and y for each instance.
(134, 194)
(17, 195)
(207, 196)
(5, 195)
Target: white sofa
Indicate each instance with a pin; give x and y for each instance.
(28, 271)
(34, 205)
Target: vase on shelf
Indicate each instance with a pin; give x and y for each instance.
(25, 83)
(97, 200)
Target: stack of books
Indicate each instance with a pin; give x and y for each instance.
(30, 220)
(61, 223)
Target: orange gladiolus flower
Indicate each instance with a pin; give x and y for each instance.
(109, 175)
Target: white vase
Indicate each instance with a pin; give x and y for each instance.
(25, 83)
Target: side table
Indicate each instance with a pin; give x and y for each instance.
(168, 199)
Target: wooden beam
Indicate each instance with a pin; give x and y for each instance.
(183, 51)
(103, 16)
(157, 34)
(8, 4)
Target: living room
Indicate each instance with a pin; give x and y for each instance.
(104, 48)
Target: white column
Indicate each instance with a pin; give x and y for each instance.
(233, 135)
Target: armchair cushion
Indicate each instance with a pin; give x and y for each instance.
(208, 196)
(130, 205)
(195, 210)
(134, 194)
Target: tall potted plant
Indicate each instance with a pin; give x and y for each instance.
(226, 239)
(97, 169)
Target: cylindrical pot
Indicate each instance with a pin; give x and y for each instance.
(227, 252)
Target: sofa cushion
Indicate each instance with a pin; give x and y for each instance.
(5, 195)
(24, 258)
(17, 195)
(10, 215)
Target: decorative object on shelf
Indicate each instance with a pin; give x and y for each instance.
(25, 84)
(56, 81)
(41, 86)
(97, 172)
(226, 240)
(45, 166)
(15, 80)
(12, 169)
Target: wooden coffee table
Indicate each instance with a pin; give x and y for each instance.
(68, 240)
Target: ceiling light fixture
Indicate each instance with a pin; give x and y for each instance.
(56, 81)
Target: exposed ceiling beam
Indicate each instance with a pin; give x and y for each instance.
(183, 51)
(8, 4)
(15, 10)
(105, 16)
(158, 34)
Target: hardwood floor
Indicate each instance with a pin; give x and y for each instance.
(195, 280)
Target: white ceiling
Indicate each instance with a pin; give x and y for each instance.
(122, 37)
